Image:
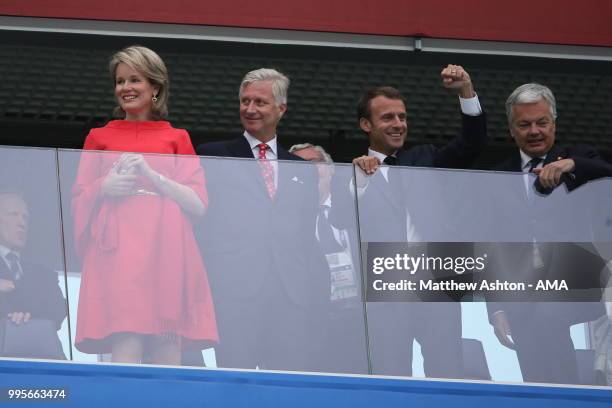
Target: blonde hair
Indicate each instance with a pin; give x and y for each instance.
(147, 62)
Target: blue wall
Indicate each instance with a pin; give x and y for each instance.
(98, 385)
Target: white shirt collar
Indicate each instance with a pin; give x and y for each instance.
(525, 159)
(253, 142)
(380, 156)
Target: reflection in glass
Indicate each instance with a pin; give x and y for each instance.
(32, 307)
(525, 237)
(254, 245)
(341, 249)
(269, 274)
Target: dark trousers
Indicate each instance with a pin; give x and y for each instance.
(436, 326)
(544, 347)
(269, 331)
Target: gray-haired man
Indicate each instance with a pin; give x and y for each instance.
(269, 278)
(539, 332)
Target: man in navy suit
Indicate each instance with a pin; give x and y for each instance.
(388, 214)
(539, 332)
(382, 116)
(269, 279)
(263, 102)
(532, 114)
(28, 292)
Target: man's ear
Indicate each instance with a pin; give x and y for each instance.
(283, 108)
(365, 125)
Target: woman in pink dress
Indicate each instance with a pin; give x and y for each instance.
(144, 290)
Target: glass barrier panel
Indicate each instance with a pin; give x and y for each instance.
(451, 255)
(33, 306)
(199, 262)
(286, 283)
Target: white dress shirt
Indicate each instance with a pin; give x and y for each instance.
(525, 166)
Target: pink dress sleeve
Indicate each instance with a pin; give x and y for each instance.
(86, 192)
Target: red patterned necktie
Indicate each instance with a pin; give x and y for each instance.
(267, 170)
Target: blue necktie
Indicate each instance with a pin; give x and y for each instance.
(533, 163)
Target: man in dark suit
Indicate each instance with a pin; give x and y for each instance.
(539, 331)
(270, 281)
(29, 294)
(532, 112)
(387, 214)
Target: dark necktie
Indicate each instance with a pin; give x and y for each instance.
(13, 261)
(326, 233)
(533, 163)
(390, 160)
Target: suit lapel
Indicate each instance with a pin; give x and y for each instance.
(553, 155)
(392, 193)
(241, 148)
(286, 171)
(283, 154)
(389, 192)
(512, 164)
